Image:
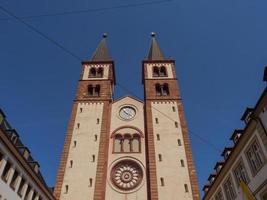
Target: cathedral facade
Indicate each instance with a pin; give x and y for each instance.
(127, 148)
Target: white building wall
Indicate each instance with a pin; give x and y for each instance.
(255, 180)
(6, 192)
(84, 168)
(170, 168)
(116, 122)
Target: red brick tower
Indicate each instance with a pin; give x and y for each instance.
(170, 170)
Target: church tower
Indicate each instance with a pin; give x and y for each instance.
(82, 171)
(127, 149)
(170, 167)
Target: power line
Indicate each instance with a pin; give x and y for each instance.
(40, 33)
(78, 58)
(90, 10)
(190, 131)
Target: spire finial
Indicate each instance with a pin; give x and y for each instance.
(105, 35)
(153, 34)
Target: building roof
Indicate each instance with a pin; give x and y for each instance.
(254, 111)
(236, 131)
(101, 53)
(10, 137)
(155, 53)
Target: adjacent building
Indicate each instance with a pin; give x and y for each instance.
(20, 177)
(245, 161)
(127, 148)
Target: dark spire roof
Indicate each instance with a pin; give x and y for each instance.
(155, 52)
(101, 53)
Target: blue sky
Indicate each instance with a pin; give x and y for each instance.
(219, 48)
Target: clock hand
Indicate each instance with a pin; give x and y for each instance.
(128, 113)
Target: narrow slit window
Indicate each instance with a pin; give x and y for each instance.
(182, 162)
(186, 188)
(81, 110)
(156, 120)
(162, 181)
(74, 143)
(173, 109)
(179, 142)
(176, 124)
(160, 157)
(66, 189)
(78, 125)
(71, 163)
(95, 138)
(90, 182)
(93, 158)
(158, 137)
(97, 121)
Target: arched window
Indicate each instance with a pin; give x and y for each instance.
(100, 72)
(92, 72)
(162, 71)
(118, 143)
(165, 89)
(155, 71)
(136, 144)
(127, 143)
(90, 90)
(158, 89)
(97, 90)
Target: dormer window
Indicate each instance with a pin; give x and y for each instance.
(236, 135)
(226, 152)
(218, 166)
(247, 115)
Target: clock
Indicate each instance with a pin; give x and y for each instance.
(127, 112)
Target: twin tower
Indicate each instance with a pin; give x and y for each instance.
(127, 149)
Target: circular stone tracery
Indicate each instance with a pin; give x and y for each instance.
(126, 175)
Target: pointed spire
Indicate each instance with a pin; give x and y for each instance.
(155, 52)
(101, 53)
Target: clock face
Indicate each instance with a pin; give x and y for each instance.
(127, 112)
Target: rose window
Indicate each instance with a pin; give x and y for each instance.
(126, 175)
